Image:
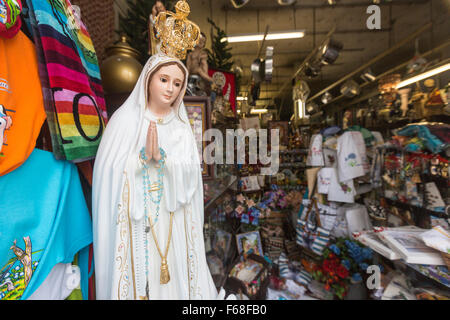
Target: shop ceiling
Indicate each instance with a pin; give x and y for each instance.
(399, 18)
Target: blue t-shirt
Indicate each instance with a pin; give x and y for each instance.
(44, 220)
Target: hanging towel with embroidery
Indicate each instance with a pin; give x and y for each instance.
(70, 77)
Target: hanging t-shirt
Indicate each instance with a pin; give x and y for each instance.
(21, 103)
(315, 154)
(352, 158)
(44, 221)
(341, 191)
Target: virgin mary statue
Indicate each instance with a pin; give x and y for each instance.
(148, 195)
(148, 214)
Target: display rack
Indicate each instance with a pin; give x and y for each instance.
(439, 274)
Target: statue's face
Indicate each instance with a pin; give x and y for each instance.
(165, 85)
(201, 42)
(159, 6)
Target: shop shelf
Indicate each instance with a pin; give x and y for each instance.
(415, 209)
(439, 274)
(294, 151)
(293, 164)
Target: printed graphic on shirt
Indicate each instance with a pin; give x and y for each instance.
(5, 124)
(16, 274)
(4, 86)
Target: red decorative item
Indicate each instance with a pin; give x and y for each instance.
(226, 81)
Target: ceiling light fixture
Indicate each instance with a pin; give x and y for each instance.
(258, 111)
(260, 36)
(327, 97)
(285, 2)
(239, 3)
(368, 76)
(300, 110)
(424, 75)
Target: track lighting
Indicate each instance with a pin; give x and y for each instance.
(285, 2)
(239, 3)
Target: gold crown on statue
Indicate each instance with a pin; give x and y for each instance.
(176, 33)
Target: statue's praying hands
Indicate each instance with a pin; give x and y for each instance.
(151, 145)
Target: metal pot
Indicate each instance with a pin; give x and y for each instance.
(121, 69)
(268, 64)
(257, 69)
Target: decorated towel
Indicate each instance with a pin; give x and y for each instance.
(44, 221)
(70, 78)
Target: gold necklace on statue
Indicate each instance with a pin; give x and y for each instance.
(165, 276)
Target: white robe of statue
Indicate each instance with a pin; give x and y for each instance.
(118, 214)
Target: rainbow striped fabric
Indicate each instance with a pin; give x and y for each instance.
(70, 78)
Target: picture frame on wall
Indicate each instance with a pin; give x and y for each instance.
(198, 109)
(283, 126)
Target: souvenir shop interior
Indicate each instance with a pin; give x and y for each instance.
(327, 125)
